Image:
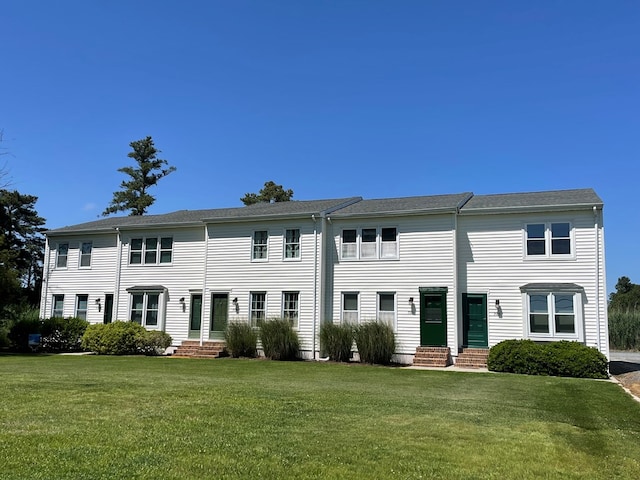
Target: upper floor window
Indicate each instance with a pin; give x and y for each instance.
(258, 308)
(63, 254)
(549, 239)
(145, 308)
(369, 243)
(57, 306)
(350, 310)
(85, 254)
(260, 242)
(290, 307)
(292, 243)
(82, 301)
(150, 250)
(387, 308)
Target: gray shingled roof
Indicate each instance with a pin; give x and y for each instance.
(186, 217)
(585, 198)
(406, 205)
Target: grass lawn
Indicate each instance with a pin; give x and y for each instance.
(89, 417)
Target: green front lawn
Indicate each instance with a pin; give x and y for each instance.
(95, 417)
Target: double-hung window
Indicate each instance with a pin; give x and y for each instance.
(258, 308)
(57, 306)
(290, 307)
(544, 240)
(387, 308)
(369, 243)
(62, 255)
(82, 301)
(145, 308)
(85, 254)
(260, 244)
(151, 251)
(554, 314)
(350, 310)
(292, 243)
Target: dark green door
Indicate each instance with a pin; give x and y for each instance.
(195, 315)
(474, 320)
(433, 317)
(219, 315)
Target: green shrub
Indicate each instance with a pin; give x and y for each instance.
(279, 340)
(241, 340)
(62, 334)
(376, 342)
(563, 359)
(336, 341)
(26, 322)
(154, 342)
(117, 338)
(624, 330)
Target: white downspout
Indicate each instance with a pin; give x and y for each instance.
(595, 224)
(455, 279)
(315, 282)
(45, 279)
(204, 283)
(116, 293)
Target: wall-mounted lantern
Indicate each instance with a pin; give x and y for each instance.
(236, 305)
(98, 304)
(184, 306)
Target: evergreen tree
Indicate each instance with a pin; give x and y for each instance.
(270, 193)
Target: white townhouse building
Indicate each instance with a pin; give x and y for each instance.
(448, 272)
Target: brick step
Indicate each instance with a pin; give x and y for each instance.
(193, 349)
(473, 358)
(432, 357)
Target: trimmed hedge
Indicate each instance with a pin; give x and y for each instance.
(561, 359)
(279, 340)
(241, 340)
(376, 342)
(336, 341)
(124, 338)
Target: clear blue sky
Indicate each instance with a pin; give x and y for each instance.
(329, 98)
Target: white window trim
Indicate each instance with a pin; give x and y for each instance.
(76, 310)
(253, 245)
(547, 241)
(378, 244)
(343, 311)
(297, 322)
(143, 251)
(66, 263)
(284, 246)
(53, 305)
(251, 294)
(145, 300)
(552, 336)
(90, 254)
(395, 307)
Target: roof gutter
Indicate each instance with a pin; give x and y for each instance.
(527, 208)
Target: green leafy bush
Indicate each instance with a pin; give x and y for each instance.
(563, 359)
(26, 322)
(62, 334)
(624, 330)
(279, 340)
(154, 342)
(117, 338)
(336, 341)
(241, 340)
(376, 342)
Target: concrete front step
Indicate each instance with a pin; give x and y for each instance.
(472, 358)
(432, 357)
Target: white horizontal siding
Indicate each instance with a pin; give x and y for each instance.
(426, 259)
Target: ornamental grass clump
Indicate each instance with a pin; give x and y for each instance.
(376, 342)
(279, 340)
(624, 330)
(241, 340)
(336, 341)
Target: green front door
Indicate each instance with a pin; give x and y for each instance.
(433, 317)
(474, 320)
(219, 315)
(195, 315)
